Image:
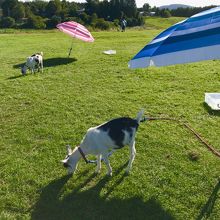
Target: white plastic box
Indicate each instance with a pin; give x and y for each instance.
(213, 100)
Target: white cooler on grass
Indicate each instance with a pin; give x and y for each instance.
(213, 100)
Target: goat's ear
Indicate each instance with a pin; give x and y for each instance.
(68, 150)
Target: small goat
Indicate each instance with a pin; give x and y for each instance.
(33, 62)
(100, 140)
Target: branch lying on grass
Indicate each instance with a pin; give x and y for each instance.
(209, 146)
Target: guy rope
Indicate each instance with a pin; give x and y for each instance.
(186, 125)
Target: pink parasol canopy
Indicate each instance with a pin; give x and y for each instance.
(76, 30)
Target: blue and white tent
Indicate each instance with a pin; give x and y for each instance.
(194, 39)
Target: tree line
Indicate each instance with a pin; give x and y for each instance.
(179, 12)
(106, 14)
(40, 14)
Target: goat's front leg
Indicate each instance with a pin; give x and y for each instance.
(42, 67)
(132, 156)
(98, 169)
(106, 160)
(33, 70)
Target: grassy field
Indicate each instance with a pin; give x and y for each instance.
(41, 113)
(161, 23)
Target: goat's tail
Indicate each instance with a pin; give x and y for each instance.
(140, 116)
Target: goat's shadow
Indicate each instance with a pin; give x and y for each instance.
(15, 77)
(208, 207)
(50, 62)
(89, 204)
(57, 61)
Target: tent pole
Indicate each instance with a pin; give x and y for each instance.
(70, 50)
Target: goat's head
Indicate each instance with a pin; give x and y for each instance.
(71, 160)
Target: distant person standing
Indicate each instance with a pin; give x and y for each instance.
(123, 24)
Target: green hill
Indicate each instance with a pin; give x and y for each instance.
(161, 23)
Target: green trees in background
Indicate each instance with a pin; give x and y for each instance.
(18, 11)
(35, 22)
(94, 13)
(7, 7)
(187, 12)
(7, 22)
(165, 13)
(53, 8)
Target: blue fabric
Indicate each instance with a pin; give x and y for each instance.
(182, 42)
(166, 43)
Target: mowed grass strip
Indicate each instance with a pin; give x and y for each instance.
(41, 113)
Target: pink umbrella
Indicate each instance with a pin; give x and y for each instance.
(76, 30)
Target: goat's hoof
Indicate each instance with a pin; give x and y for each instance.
(127, 172)
(109, 174)
(70, 174)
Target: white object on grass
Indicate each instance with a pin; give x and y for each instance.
(213, 100)
(109, 52)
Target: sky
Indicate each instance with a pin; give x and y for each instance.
(196, 3)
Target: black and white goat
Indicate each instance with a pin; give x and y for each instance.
(100, 140)
(33, 62)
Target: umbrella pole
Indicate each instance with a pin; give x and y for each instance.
(70, 50)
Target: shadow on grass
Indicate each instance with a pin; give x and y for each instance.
(57, 61)
(47, 63)
(208, 207)
(90, 204)
(15, 77)
(210, 111)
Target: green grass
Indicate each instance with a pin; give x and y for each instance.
(41, 113)
(161, 23)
